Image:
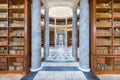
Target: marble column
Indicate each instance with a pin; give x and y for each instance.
(84, 35)
(74, 29)
(55, 37)
(36, 37)
(66, 36)
(66, 32)
(46, 33)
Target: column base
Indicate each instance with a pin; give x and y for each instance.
(76, 58)
(84, 70)
(35, 70)
(43, 59)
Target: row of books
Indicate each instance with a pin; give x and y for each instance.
(11, 6)
(108, 5)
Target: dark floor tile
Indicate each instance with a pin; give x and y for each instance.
(90, 76)
(59, 68)
(29, 76)
(68, 61)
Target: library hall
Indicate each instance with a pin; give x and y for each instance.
(59, 39)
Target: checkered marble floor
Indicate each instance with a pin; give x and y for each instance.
(60, 56)
(61, 53)
(60, 65)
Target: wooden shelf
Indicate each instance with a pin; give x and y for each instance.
(103, 27)
(102, 63)
(117, 45)
(4, 27)
(104, 18)
(103, 9)
(16, 36)
(116, 36)
(13, 72)
(24, 50)
(21, 10)
(116, 26)
(16, 18)
(3, 45)
(117, 18)
(108, 55)
(3, 10)
(16, 26)
(107, 72)
(3, 19)
(103, 36)
(16, 45)
(103, 45)
(117, 9)
(3, 36)
(104, 55)
(15, 55)
(3, 54)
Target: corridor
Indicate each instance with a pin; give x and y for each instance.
(60, 58)
(60, 65)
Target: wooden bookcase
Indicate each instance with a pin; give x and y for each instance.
(105, 36)
(51, 38)
(15, 36)
(42, 38)
(69, 38)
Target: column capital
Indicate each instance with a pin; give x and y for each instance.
(74, 7)
(46, 6)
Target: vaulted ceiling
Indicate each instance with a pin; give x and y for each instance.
(60, 10)
(54, 3)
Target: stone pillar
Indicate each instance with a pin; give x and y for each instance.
(46, 33)
(36, 37)
(66, 32)
(55, 37)
(74, 29)
(84, 35)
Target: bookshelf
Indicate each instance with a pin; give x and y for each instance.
(51, 37)
(69, 38)
(105, 40)
(14, 36)
(42, 38)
